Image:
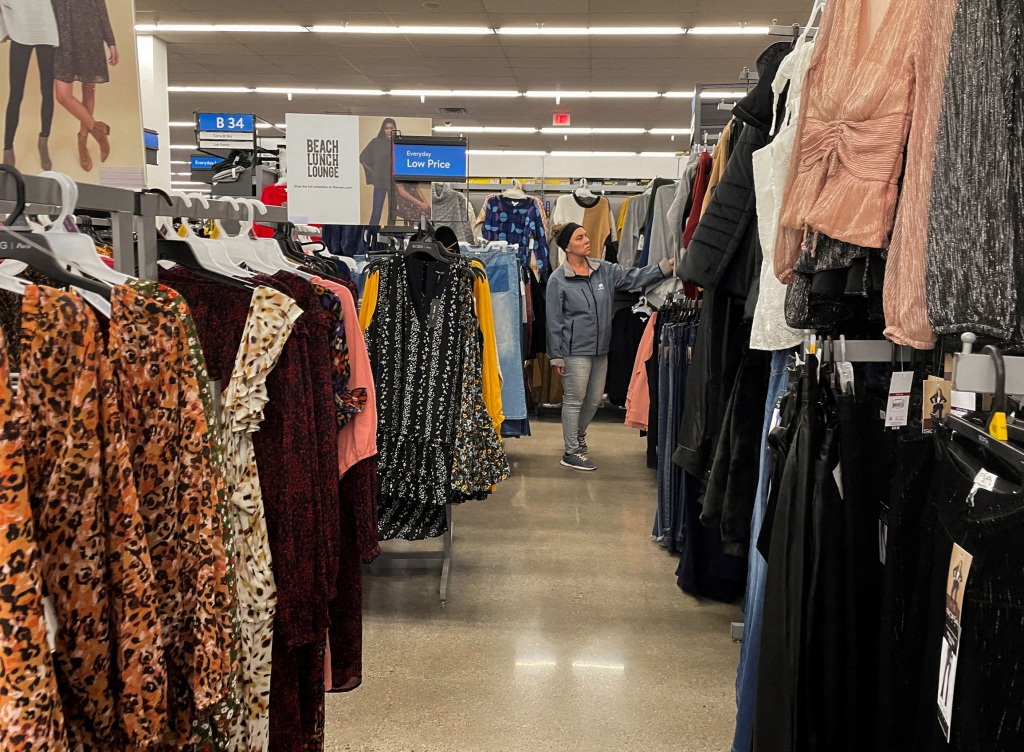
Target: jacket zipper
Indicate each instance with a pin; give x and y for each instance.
(572, 333)
(597, 315)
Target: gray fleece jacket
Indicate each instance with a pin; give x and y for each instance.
(579, 309)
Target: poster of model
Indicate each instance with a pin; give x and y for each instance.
(72, 99)
(411, 200)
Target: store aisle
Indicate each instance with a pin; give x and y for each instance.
(564, 630)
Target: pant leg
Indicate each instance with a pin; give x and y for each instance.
(20, 56)
(575, 385)
(379, 194)
(595, 392)
(255, 657)
(44, 59)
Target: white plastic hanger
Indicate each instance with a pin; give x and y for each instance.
(583, 191)
(516, 191)
(267, 249)
(241, 248)
(75, 248)
(209, 253)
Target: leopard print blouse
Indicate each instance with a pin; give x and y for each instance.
(95, 554)
(31, 716)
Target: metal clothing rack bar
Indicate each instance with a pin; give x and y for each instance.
(975, 372)
(43, 196)
(444, 555)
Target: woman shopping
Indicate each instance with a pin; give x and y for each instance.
(580, 300)
(85, 35)
(30, 27)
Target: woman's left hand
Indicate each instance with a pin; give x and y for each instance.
(672, 264)
(115, 56)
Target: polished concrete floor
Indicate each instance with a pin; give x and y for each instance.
(564, 628)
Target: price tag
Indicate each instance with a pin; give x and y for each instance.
(985, 479)
(897, 411)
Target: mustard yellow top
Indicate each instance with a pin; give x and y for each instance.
(620, 223)
(491, 371)
(369, 305)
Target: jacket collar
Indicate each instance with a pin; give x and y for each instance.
(594, 265)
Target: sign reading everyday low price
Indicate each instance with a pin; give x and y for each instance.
(429, 162)
(323, 169)
(225, 123)
(204, 163)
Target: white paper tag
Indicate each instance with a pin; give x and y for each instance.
(50, 616)
(961, 403)
(844, 369)
(897, 411)
(643, 242)
(985, 479)
(956, 584)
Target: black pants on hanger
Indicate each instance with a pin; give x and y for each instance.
(21, 55)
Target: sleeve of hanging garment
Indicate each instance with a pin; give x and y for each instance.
(635, 280)
(556, 320)
(369, 306)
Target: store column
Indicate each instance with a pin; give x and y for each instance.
(156, 105)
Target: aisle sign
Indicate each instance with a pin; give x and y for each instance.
(204, 163)
(210, 122)
(429, 162)
(323, 169)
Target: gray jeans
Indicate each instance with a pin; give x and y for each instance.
(582, 389)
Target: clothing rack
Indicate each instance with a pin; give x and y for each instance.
(698, 119)
(43, 196)
(975, 372)
(444, 556)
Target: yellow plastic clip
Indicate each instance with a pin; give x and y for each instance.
(997, 426)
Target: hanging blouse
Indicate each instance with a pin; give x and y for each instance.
(31, 716)
(868, 119)
(96, 562)
(491, 379)
(347, 401)
(518, 221)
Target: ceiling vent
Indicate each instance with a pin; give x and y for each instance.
(453, 111)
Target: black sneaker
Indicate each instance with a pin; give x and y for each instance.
(582, 440)
(578, 461)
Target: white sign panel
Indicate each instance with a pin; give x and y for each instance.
(323, 169)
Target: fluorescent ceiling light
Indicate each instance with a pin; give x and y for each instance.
(726, 30)
(593, 94)
(182, 124)
(580, 31)
(588, 131)
(658, 154)
(455, 93)
(225, 28)
(188, 182)
(183, 146)
(593, 154)
(326, 92)
(482, 129)
(669, 131)
(705, 94)
(504, 153)
(173, 162)
(211, 89)
(438, 30)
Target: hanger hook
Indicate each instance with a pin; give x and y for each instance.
(997, 420)
(68, 196)
(19, 193)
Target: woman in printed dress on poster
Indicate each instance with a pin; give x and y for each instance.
(85, 37)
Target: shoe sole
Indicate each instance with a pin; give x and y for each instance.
(581, 469)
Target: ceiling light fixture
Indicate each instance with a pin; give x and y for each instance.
(319, 92)
(191, 147)
(665, 154)
(705, 94)
(188, 182)
(482, 129)
(669, 131)
(212, 89)
(504, 153)
(495, 93)
(580, 31)
(223, 28)
(727, 30)
(593, 154)
(436, 30)
(592, 94)
(590, 131)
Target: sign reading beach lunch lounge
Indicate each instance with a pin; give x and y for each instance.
(323, 169)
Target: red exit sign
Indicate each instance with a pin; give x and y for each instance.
(560, 118)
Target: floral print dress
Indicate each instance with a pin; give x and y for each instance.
(271, 319)
(95, 553)
(31, 716)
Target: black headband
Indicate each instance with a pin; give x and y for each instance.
(565, 236)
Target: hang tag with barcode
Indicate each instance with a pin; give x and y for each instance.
(642, 244)
(897, 410)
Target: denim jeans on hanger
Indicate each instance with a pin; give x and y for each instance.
(757, 567)
(503, 277)
(663, 517)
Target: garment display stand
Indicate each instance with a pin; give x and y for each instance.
(444, 555)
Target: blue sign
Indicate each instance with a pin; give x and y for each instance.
(429, 162)
(222, 123)
(151, 139)
(204, 163)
